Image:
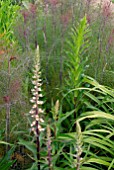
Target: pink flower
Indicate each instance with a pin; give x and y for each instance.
(53, 2)
(106, 9)
(25, 14)
(33, 8)
(65, 18)
(88, 19)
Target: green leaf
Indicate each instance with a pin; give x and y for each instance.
(96, 114)
(87, 168)
(99, 161)
(29, 145)
(6, 143)
(111, 165)
(65, 116)
(6, 162)
(100, 144)
(67, 137)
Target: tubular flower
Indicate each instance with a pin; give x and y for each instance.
(36, 99)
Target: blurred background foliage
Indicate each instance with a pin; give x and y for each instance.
(49, 23)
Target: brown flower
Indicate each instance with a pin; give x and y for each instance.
(88, 19)
(6, 99)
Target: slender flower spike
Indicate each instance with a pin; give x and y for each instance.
(36, 91)
(36, 110)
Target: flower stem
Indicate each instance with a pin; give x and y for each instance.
(37, 142)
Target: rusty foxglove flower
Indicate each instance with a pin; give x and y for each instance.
(36, 110)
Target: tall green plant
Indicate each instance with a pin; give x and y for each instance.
(93, 140)
(94, 135)
(97, 139)
(77, 56)
(8, 13)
